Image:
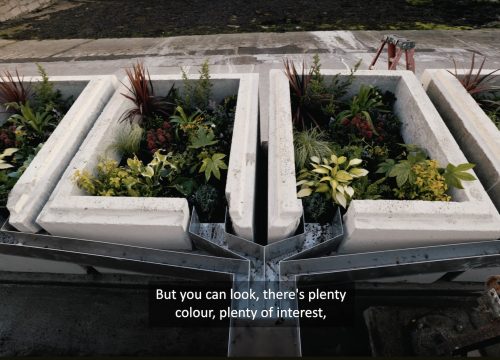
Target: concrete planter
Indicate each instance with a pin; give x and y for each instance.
(33, 189)
(155, 222)
(473, 130)
(382, 224)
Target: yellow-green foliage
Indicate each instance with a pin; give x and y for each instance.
(135, 179)
(429, 184)
(331, 176)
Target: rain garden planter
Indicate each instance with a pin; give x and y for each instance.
(371, 225)
(476, 133)
(82, 99)
(160, 221)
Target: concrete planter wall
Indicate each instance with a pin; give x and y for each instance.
(33, 189)
(155, 222)
(382, 224)
(473, 130)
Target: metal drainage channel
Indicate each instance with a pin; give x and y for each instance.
(308, 256)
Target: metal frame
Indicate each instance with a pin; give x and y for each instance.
(227, 257)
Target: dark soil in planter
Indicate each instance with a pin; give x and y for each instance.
(152, 18)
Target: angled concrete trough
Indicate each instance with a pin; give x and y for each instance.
(382, 224)
(34, 187)
(475, 133)
(155, 222)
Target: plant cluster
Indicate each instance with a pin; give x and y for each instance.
(482, 89)
(172, 145)
(350, 147)
(34, 110)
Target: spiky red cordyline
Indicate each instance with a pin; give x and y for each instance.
(475, 83)
(299, 84)
(13, 90)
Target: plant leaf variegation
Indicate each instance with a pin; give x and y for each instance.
(332, 176)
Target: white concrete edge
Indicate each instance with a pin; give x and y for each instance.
(67, 201)
(33, 188)
(469, 120)
(241, 175)
(284, 208)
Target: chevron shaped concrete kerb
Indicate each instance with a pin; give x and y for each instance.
(33, 189)
(372, 225)
(475, 133)
(156, 222)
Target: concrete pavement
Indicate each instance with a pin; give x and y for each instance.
(253, 52)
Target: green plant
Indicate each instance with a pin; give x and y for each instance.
(160, 138)
(46, 97)
(197, 93)
(311, 96)
(309, 143)
(212, 165)
(206, 200)
(184, 122)
(328, 95)
(13, 90)
(454, 175)
(299, 83)
(332, 177)
(128, 141)
(366, 101)
(317, 208)
(202, 138)
(24, 158)
(5, 154)
(38, 122)
(475, 83)
(135, 179)
(147, 106)
(418, 177)
(490, 103)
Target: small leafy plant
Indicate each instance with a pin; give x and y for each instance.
(129, 140)
(310, 93)
(331, 177)
(358, 114)
(134, 179)
(309, 143)
(419, 178)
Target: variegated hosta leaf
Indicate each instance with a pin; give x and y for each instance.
(325, 178)
(334, 159)
(357, 172)
(334, 184)
(322, 188)
(349, 190)
(304, 192)
(354, 162)
(343, 176)
(321, 171)
(341, 200)
(315, 159)
(4, 165)
(341, 160)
